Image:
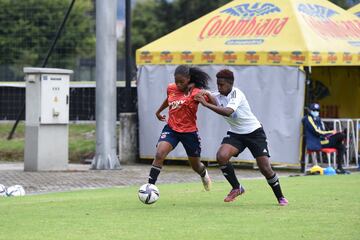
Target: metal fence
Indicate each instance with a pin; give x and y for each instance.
(27, 30)
(82, 101)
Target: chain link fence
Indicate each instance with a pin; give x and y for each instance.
(27, 30)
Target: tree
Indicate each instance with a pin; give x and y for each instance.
(188, 11)
(345, 3)
(28, 27)
(152, 19)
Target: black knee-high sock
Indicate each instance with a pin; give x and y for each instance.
(229, 174)
(154, 173)
(275, 185)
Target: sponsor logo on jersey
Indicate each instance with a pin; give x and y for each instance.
(176, 104)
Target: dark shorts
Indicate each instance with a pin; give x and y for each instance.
(255, 141)
(190, 140)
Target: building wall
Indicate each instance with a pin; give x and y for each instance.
(344, 86)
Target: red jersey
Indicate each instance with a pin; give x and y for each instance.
(182, 109)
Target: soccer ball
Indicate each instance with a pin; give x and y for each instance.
(148, 193)
(15, 191)
(2, 190)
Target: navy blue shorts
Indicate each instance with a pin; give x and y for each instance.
(190, 140)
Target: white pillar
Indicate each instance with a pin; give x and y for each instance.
(105, 157)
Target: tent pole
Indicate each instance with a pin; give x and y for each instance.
(306, 104)
(128, 56)
(307, 86)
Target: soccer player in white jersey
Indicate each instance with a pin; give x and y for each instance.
(245, 132)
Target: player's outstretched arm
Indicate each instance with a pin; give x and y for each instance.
(209, 98)
(164, 105)
(224, 111)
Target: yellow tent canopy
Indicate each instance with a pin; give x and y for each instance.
(262, 32)
(355, 10)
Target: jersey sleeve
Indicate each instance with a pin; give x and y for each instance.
(196, 91)
(216, 95)
(170, 88)
(235, 99)
(207, 98)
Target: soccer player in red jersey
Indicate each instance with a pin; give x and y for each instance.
(181, 123)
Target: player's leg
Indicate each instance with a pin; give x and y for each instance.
(192, 145)
(200, 168)
(223, 155)
(197, 165)
(263, 163)
(336, 141)
(257, 144)
(162, 150)
(230, 146)
(166, 143)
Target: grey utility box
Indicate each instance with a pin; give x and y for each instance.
(47, 119)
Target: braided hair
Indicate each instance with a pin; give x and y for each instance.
(197, 76)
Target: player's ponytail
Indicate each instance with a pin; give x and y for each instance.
(199, 78)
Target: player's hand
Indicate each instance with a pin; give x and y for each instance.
(203, 92)
(332, 133)
(161, 117)
(200, 98)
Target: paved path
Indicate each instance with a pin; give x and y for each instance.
(80, 177)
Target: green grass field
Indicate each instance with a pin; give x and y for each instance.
(81, 142)
(321, 207)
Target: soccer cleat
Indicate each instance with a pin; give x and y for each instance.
(234, 193)
(283, 201)
(206, 181)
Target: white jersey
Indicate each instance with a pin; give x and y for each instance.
(242, 120)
